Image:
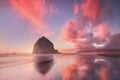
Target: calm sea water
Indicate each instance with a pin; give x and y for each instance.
(59, 67)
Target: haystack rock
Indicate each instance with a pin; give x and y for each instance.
(43, 45)
(43, 63)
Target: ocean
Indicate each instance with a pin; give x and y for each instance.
(59, 67)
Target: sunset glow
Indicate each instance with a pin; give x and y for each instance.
(83, 24)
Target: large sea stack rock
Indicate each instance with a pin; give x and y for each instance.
(43, 45)
(43, 63)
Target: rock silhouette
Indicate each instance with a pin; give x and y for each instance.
(43, 63)
(43, 45)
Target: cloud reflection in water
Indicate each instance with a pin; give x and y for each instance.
(78, 67)
(92, 68)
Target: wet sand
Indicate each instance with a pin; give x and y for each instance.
(60, 67)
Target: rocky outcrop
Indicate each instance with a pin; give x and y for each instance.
(43, 63)
(43, 45)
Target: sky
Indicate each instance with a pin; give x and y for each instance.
(83, 24)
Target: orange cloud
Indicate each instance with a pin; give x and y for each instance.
(35, 11)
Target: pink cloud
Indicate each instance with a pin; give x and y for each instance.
(91, 8)
(76, 8)
(35, 11)
(102, 31)
(88, 28)
(72, 32)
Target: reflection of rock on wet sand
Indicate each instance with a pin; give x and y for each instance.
(42, 50)
(43, 64)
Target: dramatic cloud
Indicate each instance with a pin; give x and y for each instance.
(89, 29)
(35, 11)
(76, 34)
